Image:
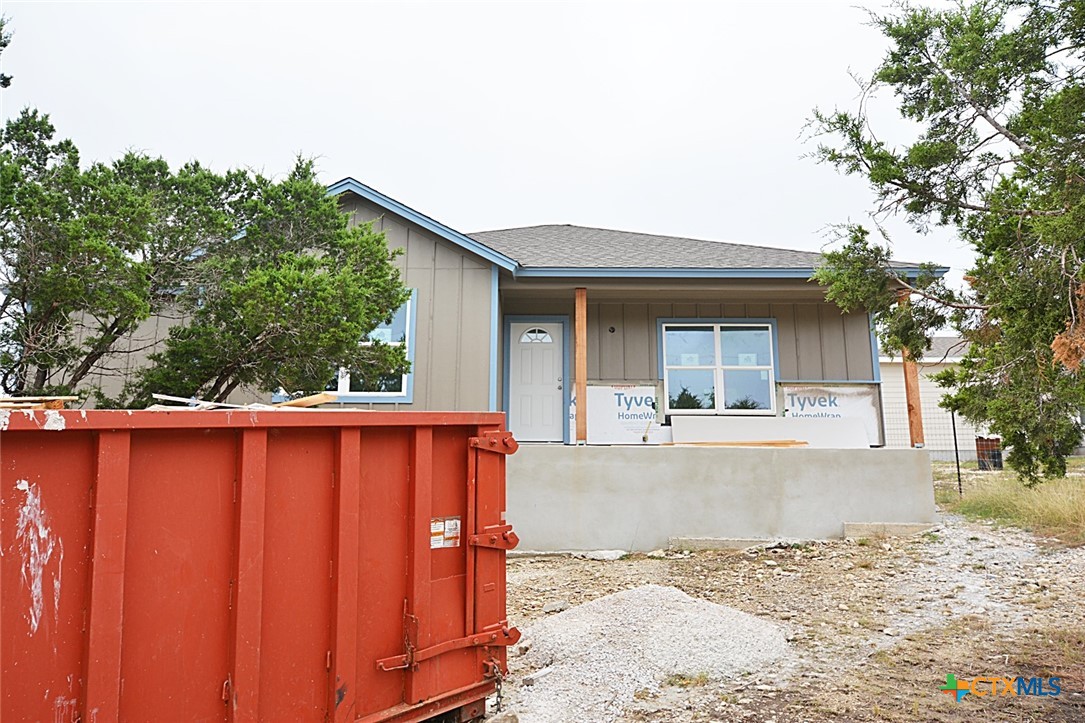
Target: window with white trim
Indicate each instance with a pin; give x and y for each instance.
(396, 332)
(718, 368)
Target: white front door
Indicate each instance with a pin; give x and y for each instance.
(535, 382)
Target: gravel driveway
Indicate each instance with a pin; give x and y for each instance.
(872, 628)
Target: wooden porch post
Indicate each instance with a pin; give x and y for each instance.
(580, 357)
(911, 388)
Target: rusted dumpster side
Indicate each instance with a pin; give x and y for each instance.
(232, 566)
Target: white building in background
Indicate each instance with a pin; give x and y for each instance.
(946, 351)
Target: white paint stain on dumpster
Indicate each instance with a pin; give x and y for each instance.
(54, 421)
(41, 551)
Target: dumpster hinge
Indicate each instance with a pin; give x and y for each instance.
(500, 442)
(500, 537)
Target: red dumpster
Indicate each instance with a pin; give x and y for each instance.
(244, 565)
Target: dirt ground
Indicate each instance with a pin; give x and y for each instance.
(875, 624)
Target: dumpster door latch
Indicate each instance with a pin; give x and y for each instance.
(500, 442)
(500, 537)
(504, 636)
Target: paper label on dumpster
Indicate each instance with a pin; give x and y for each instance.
(444, 532)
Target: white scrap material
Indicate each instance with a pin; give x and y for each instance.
(605, 555)
(602, 652)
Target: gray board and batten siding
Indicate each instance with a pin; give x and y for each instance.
(815, 342)
(452, 322)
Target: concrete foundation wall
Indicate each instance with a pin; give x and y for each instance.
(636, 498)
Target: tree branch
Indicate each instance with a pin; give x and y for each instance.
(965, 205)
(937, 299)
(100, 349)
(982, 111)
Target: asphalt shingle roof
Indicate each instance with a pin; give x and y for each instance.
(565, 246)
(944, 347)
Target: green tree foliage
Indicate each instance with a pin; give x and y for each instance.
(274, 288)
(283, 304)
(5, 40)
(79, 254)
(746, 402)
(687, 400)
(996, 94)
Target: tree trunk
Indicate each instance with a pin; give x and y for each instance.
(115, 331)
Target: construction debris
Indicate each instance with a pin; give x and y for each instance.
(193, 404)
(312, 400)
(36, 402)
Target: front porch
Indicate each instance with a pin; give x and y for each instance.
(613, 361)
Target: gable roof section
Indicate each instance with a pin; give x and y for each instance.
(565, 250)
(577, 251)
(449, 234)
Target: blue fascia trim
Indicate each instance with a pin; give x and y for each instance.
(690, 273)
(408, 394)
(495, 325)
(914, 271)
(566, 398)
(449, 234)
(659, 273)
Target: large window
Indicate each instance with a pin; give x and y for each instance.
(355, 386)
(724, 368)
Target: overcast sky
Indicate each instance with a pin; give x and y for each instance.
(683, 119)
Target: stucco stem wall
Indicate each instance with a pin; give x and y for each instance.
(636, 498)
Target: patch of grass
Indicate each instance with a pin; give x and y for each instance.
(931, 536)
(945, 495)
(681, 680)
(1055, 508)
(1052, 652)
(863, 542)
(910, 673)
(946, 471)
(884, 657)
